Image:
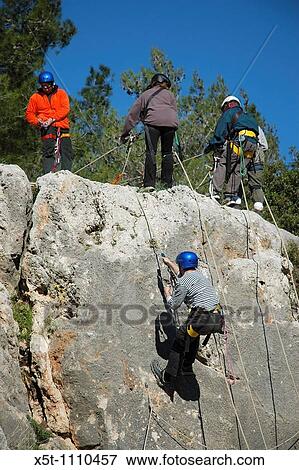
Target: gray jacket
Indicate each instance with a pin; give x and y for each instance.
(161, 110)
(262, 146)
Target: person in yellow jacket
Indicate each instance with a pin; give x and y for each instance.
(48, 109)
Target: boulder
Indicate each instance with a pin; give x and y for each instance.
(91, 273)
(15, 429)
(15, 207)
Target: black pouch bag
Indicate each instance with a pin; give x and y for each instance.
(207, 323)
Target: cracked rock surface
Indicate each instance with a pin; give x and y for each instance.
(90, 272)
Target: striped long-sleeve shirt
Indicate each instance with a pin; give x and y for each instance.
(195, 290)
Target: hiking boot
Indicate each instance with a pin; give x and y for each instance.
(258, 206)
(232, 201)
(159, 374)
(147, 189)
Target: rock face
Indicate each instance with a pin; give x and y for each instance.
(15, 205)
(90, 269)
(15, 430)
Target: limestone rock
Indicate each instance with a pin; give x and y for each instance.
(90, 270)
(15, 430)
(15, 205)
(58, 443)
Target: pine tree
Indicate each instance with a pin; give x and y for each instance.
(28, 29)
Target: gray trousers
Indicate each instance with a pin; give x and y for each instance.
(232, 187)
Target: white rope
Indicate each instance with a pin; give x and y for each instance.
(219, 279)
(98, 158)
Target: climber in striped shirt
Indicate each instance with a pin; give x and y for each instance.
(205, 316)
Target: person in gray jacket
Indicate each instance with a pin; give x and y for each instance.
(156, 107)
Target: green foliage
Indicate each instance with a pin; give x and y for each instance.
(28, 28)
(136, 83)
(281, 189)
(293, 252)
(96, 128)
(22, 313)
(41, 433)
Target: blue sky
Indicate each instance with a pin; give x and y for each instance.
(213, 37)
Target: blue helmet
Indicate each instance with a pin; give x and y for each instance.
(187, 260)
(45, 77)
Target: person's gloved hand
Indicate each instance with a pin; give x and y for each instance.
(48, 122)
(123, 138)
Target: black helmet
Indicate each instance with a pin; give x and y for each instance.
(159, 78)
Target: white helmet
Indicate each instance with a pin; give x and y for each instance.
(230, 98)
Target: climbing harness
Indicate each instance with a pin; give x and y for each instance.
(57, 134)
(57, 152)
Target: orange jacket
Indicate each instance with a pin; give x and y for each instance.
(43, 107)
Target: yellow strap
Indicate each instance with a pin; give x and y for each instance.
(65, 135)
(237, 151)
(217, 309)
(248, 133)
(235, 148)
(248, 154)
(192, 332)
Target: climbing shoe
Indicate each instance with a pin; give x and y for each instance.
(258, 206)
(232, 201)
(213, 194)
(159, 374)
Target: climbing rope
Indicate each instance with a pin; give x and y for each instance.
(138, 178)
(153, 414)
(150, 409)
(230, 387)
(201, 424)
(98, 158)
(275, 322)
(132, 138)
(284, 247)
(232, 327)
(204, 179)
(152, 244)
(243, 169)
(263, 324)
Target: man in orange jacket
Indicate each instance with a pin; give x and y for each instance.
(48, 109)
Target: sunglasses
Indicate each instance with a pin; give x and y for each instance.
(46, 85)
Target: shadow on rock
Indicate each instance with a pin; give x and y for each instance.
(187, 387)
(165, 332)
